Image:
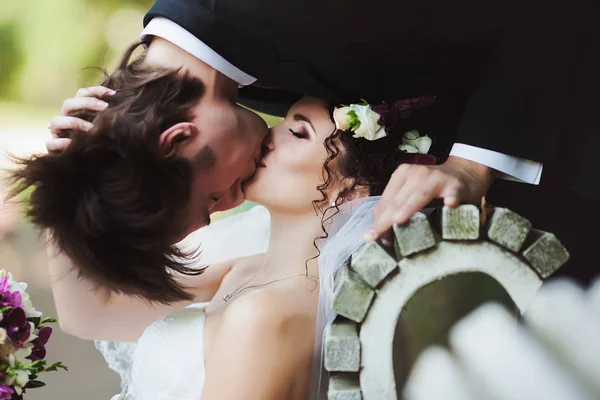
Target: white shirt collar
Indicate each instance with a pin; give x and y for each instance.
(172, 32)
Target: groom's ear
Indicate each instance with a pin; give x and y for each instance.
(171, 140)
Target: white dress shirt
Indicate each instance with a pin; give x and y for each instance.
(510, 167)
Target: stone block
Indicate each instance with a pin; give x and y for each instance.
(373, 263)
(344, 387)
(351, 297)
(460, 223)
(342, 347)
(508, 229)
(546, 254)
(414, 236)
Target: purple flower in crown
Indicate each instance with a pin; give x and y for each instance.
(18, 329)
(391, 113)
(39, 344)
(6, 392)
(8, 298)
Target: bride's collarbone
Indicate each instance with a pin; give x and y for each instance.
(247, 275)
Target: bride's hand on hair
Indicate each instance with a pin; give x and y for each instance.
(413, 186)
(85, 99)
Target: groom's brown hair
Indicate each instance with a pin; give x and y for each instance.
(110, 200)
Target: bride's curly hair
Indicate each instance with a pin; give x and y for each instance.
(370, 164)
(110, 200)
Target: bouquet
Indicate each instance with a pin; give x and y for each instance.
(23, 337)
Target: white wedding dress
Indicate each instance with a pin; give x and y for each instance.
(168, 361)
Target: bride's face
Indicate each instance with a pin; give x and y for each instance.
(292, 166)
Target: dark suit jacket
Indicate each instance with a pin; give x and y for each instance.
(516, 64)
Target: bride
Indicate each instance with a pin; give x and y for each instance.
(254, 329)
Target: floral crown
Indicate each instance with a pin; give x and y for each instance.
(366, 123)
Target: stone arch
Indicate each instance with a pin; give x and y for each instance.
(374, 288)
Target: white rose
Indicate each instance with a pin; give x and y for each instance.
(411, 138)
(408, 148)
(22, 377)
(369, 128)
(28, 306)
(341, 118)
(424, 144)
(413, 142)
(24, 352)
(2, 335)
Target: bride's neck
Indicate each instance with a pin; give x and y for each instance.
(291, 241)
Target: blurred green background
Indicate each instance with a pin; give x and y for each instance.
(46, 46)
(49, 49)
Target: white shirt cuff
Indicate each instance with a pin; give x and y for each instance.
(511, 168)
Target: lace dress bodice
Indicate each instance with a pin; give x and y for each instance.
(168, 361)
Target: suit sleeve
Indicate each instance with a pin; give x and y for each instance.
(517, 104)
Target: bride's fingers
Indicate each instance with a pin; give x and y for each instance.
(57, 144)
(95, 91)
(82, 103)
(61, 123)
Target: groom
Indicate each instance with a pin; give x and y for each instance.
(524, 76)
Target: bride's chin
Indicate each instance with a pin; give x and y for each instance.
(250, 189)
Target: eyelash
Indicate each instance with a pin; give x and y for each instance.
(299, 135)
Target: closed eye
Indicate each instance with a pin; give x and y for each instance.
(299, 134)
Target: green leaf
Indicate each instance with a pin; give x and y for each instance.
(35, 321)
(37, 364)
(56, 366)
(49, 320)
(5, 309)
(34, 384)
(354, 122)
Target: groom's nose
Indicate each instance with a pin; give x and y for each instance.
(267, 144)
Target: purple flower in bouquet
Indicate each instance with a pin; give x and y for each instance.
(17, 327)
(6, 393)
(8, 298)
(39, 344)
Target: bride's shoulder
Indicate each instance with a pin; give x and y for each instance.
(268, 309)
(262, 325)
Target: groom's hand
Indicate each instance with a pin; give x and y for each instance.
(412, 187)
(85, 99)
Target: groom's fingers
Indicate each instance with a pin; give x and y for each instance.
(82, 103)
(57, 144)
(456, 181)
(85, 99)
(413, 196)
(95, 91)
(61, 123)
(411, 188)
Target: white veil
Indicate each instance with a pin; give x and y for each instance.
(248, 233)
(346, 233)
